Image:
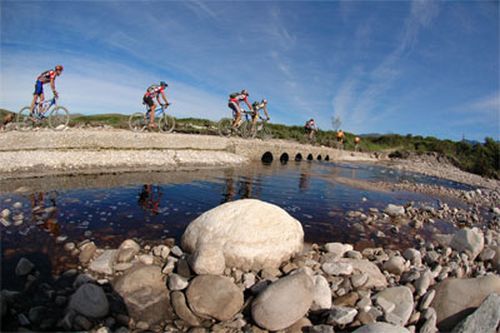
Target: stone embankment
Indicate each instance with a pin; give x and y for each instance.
(79, 151)
(213, 283)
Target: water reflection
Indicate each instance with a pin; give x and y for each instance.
(150, 198)
(44, 211)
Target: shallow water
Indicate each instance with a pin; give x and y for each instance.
(153, 206)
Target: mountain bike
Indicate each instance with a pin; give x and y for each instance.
(226, 128)
(261, 130)
(58, 116)
(139, 121)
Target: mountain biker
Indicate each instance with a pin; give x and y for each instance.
(46, 77)
(357, 141)
(340, 139)
(256, 107)
(234, 104)
(154, 91)
(310, 128)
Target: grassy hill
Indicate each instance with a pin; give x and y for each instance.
(479, 158)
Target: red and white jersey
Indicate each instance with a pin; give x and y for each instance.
(47, 76)
(154, 90)
(238, 98)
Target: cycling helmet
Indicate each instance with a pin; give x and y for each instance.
(264, 101)
(245, 92)
(163, 84)
(59, 68)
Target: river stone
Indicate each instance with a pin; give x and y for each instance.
(322, 294)
(496, 259)
(338, 249)
(214, 296)
(104, 263)
(145, 294)
(414, 256)
(484, 320)
(381, 328)
(283, 302)
(337, 268)
(90, 301)
(87, 251)
(470, 241)
(395, 265)
(375, 277)
(182, 310)
(341, 315)
(177, 282)
(457, 298)
(394, 210)
(402, 298)
(248, 234)
(127, 250)
(24, 266)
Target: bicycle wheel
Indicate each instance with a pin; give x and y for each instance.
(245, 130)
(24, 120)
(264, 132)
(166, 124)
(225, 128)
(59, 118)
(137, 122)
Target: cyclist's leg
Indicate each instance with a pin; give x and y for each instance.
(152, 106)
(255, 117)
(38, 94)
(236, 113)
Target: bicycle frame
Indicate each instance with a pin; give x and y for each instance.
(158, 111)
(45, 105)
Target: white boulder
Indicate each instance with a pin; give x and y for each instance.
(248, 234)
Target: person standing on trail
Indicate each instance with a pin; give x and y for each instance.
(234, 104)
(154, 91)
(46, 77)
(357, 141)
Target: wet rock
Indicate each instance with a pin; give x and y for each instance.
(177, 282)
(90, 301)
(402, 298)
(182, 310)
(340, 315)
(17, 205)
(381, 328)
(284, 302)
(24, 267)
(145, 294)
(214, 296)
(457, 298)
(81, 279)
(104, 263)
(414, 256)
(394, 210)
(322, 294)
(395, 265)
(229, 232)
(5, 213)
(470, 241)
(87, 251)
(485, 319)
(127, 250)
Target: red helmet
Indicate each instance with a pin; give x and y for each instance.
(59, 68)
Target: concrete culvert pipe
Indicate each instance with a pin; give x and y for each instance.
(267, 158)
(284, 158)
(298, 157)
(310, 157)
(319, 158)
(327, 158)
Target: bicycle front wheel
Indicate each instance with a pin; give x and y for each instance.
(264, 132)
(137, 122)
(59, 118)
(166, 124)
(225, 127)
(24, 119)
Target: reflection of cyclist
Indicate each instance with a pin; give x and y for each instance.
(154, 91)
(256, 107)
(310, 128)
(46, 77)
(47, 213)
(149, 199)
(234, 104)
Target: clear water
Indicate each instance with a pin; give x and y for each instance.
(153, 206)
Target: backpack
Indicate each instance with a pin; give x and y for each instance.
(234, 95)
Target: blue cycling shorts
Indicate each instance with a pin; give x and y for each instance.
(38, 88)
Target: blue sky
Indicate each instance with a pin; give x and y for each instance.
(419, 67)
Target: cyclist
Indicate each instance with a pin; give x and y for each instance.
(357, 141)
(234, 104)
(46, 77)
(340, 139)
(310, 128)
(154, 91)
(256, 107)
